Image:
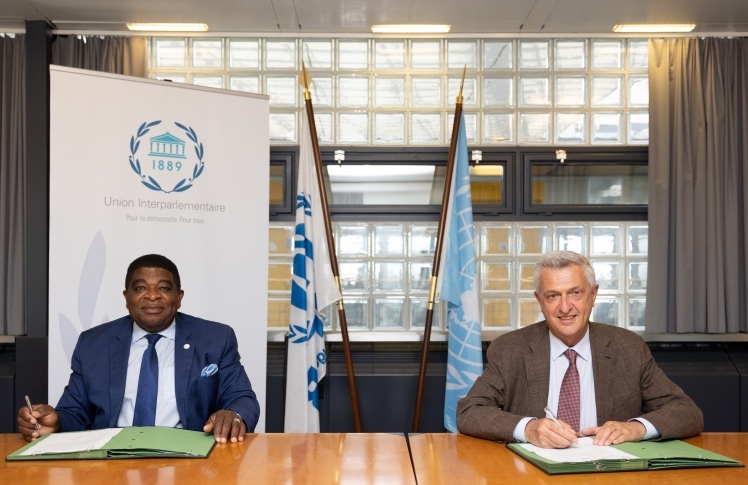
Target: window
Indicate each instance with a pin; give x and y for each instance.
(613, 182)
(394, 181)
(523, 98)
(412, 188)
(401, 92)
(594, 203)
(385, 269)
(281, 181)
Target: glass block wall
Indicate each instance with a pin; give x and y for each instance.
(385, 270)
(401, 92)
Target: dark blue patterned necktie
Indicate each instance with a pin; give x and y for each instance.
(145, 402)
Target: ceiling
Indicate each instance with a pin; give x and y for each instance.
(299, 17)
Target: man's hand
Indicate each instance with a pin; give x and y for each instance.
(226, 425)
(45, 415)
(545, 433)
(616, 432)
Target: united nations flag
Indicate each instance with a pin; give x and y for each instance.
(459, 287)
(313, 288)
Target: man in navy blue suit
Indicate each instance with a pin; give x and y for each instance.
(153, 367)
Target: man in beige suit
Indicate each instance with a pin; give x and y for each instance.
(620, 393)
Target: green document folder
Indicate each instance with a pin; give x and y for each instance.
(135, 442)
(650, 455)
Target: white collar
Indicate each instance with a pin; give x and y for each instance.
(169, 332)
(582, 348)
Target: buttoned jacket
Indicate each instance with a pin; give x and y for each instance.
(93, 397)
(628, 384)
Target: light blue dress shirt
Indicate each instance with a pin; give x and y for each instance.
(587, 403)
(166, 402)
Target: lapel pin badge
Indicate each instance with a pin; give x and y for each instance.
(186, 346)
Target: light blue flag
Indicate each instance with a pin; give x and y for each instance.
(313, 288)
(459, 287)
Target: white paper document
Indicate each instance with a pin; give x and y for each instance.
(583, 451)
(74, 441)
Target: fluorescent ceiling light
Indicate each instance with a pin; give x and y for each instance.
(657, 28)
(410, 29)
(169, 27)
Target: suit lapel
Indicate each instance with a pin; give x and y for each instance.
(184, 349)
(119, 352)
(602, 365)
(538, 369)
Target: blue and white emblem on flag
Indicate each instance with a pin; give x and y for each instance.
(458, 283)
(313, 288)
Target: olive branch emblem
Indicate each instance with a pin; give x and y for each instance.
(149, 181)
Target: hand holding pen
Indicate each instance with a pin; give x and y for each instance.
(37, 420)
(550, 433)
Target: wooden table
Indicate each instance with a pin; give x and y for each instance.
(459, 459)
(262, 458)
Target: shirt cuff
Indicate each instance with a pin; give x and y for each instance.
(519, 430)
(651, 430)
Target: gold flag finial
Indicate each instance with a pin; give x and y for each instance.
(305, 81)
(460, 99)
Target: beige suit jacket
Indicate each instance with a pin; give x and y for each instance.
(628, 384)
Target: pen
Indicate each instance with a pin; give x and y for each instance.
(550, 415)
(31, 410)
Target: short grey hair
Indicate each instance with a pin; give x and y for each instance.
(563, 259)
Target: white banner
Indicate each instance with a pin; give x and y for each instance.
(141, 166)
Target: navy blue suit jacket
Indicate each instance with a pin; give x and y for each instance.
(93, 397)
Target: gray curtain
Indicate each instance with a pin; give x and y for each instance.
(117, 55)
(698, 148)
(12, 184)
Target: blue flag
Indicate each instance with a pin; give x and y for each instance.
(313, 288)
(459, 287)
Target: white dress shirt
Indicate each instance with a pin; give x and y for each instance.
(166, 402)
(587, 403)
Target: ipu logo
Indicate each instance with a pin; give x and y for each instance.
(165, 163)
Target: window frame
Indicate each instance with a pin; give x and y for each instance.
(285, 157)
(418, 156)
(517, 180)
(637, 156)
